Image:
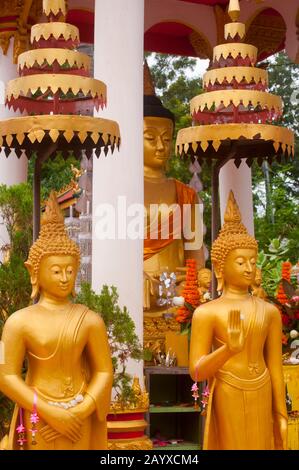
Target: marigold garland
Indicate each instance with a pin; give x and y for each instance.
(190, 292)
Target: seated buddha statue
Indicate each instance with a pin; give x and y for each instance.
(256, 288)
(167, 244)
(69, 376)
(204, 278)
(236, 346)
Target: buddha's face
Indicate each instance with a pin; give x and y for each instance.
(57, 275)
(240, 268)
(157, 134)
(205, 279)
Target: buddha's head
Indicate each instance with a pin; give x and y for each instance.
(158, 126)
(54, 258)
(204, 278)
(234, 252)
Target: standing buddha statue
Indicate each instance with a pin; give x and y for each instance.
(169, 196)
(236, 345)
(69, 377)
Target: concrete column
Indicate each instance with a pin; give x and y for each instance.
(118, 54)
(12, 169)
(239, 181)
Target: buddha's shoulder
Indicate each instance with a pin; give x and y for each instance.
(208, 308)
(20, 318)
(91, 317)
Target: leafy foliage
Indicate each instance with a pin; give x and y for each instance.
(270, 262)
(56, 174)
(122, 337)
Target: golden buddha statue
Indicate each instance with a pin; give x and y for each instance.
(204, 278)
(236, 345)
(256, 288)
(164, 200)
(69, 375)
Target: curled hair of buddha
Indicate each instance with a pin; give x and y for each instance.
(232, 235)
(53, 240)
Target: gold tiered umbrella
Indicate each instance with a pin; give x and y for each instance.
(236, 118)
(58, 96)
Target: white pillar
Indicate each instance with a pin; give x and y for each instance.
(239, 181)
(12, 169)
(118, 54)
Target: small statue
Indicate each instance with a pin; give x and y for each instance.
(204, 284)
(256, 288)
(236, 345)
(165, 200)
(67, 391)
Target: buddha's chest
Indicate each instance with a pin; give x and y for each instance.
(45, 339)
(159, 193)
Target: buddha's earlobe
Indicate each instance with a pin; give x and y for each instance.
(219, 277)
(35, 291)
(33, 280)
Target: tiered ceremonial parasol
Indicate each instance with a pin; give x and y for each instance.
(58, 95)
(236, 118)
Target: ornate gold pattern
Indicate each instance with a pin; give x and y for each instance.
(142, 443)
(235, 48)
(216, 133)
(5, 39)
(54, 7)
(40, 56)
(155, 329)
(57, 29)
(35, 127)
(232, 29)
(23, 85)
(266, 32)
(239, 73)
(201, 46)
(226, 97)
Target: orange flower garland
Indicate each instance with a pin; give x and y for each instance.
(190, 292)
(285, 274)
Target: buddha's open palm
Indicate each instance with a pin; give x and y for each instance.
(235, 331)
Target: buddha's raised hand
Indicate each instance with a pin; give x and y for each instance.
(235, 331)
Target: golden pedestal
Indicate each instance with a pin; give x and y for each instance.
(291, 377)
(293, 433)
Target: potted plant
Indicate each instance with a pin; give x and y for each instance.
(126, 422)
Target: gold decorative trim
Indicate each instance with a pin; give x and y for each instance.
(5, 37)
(235, 48)
(39, 56)
(56, 29)
(226, 97)
(32, 83)
(142, 443)
(35, 128)
(128, 426)
(239, 73)
(215, 134)
(200, 45)
(54, 7)
(232, 29)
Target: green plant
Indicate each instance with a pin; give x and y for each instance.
(270, 263)
(123, 340)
